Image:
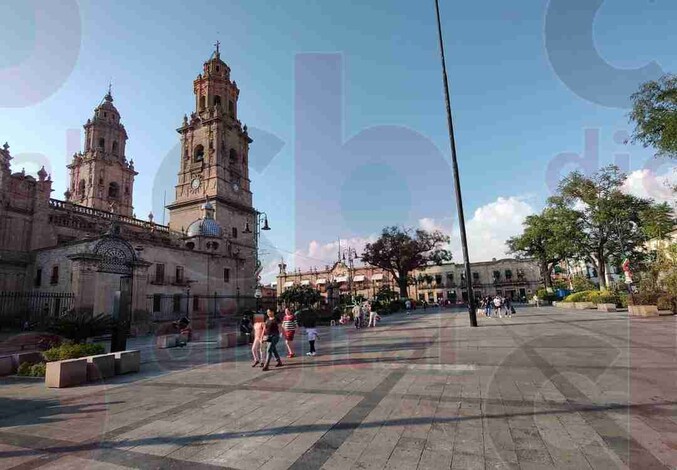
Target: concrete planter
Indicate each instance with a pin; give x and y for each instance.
(6, 366)
(100, 367)
(166, 341)
(563, 304)
(33, 357)
(643, 310)
(606, 307)
(230, 340)
(66, 373)
(583, 305)
(127, 361)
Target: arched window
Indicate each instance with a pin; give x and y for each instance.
(115, 147)
(203, 102)
(81, 187)
(232, 156)
(102, 143)
(199, 153)
(113, 190)
(217, 100)
(231, 108)
(234, 232)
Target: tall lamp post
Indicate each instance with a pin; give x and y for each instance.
(457, 181)
(351, 257)
(260, 223)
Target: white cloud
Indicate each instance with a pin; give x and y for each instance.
(647, 184)
(488, 229)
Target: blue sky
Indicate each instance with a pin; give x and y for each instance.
(383, 158)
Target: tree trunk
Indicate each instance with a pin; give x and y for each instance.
(601, 270)
(402, 284)
(547, 282)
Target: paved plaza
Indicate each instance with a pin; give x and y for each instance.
(548, 388)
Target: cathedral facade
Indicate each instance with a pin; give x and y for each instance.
(49, 246)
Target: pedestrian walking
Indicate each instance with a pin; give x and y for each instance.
(497, 306)
(271, 335)
(356, 316)
(311, 331)
(509, 310)
(289, 326)
(487, 306)
(257, 345)
(372, 316)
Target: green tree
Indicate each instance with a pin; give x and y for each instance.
(548, 237)
(401, 251)
(654, 112)
(301, 296)
(612, 224)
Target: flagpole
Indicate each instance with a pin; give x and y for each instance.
(457, 183)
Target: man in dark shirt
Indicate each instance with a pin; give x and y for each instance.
(271, 335)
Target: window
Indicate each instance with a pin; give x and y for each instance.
(196, 303)
(81, 187)
(176, 303)
(179, 274)
(497, 274)
(475, 276)
(199, 153)
(231, 108)
(217, 100)
(54, 279)
(102, 143)
(203, 103)
(232, 156)
(226, 275)
(450, 277)
(438, 279)
(234, 232)
(157, 302)
(38, 278)
(115, 148)
(113, 191)
(159, 273)
(508, 274)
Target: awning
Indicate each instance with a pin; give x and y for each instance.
(358, 279)
(289, 283)
(377, 277)
(305, 282)
(341, 279)
(321, 281)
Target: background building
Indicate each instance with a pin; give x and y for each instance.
(509, 277)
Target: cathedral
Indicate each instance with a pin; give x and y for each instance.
(67, 254)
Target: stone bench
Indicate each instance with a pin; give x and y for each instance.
(230, 340)
(606, 307)
(101, 366)
(6, 365)
(66, 373)
(127, 361)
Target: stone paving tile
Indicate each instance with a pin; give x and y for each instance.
(549, 388)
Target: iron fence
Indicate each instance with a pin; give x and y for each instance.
(170, 307)
(17, 308)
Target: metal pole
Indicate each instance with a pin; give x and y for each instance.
(457, 182)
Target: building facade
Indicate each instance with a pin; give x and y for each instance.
(49, 246)
(512, 278)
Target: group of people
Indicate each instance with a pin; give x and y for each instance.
(360, 313)
(268, 331)
(499, 305)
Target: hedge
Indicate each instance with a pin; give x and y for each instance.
(73, 351)
(598, 297)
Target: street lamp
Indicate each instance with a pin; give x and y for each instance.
(260, 223)
(457, 181)
(352, 256)
(211, 246)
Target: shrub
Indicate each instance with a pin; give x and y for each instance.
(32, 370)
(73, 351)
(80, 326)
(582, 284)
(579, 296)
(644, 298)
(667, 302)
(544, 295)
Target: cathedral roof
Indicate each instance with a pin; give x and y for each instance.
(205, 228)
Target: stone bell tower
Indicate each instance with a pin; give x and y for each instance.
(214, 161)
(101, 177)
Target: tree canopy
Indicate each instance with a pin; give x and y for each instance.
(654, 112)
(400, 251)
(300, 296)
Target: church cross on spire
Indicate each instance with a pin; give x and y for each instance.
(218, 43)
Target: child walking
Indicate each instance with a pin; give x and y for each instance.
(311, 330)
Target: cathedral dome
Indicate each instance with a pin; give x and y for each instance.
(205, 226)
